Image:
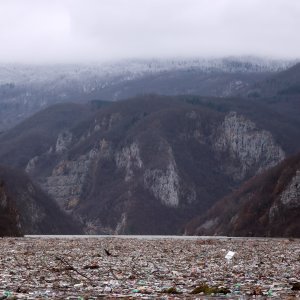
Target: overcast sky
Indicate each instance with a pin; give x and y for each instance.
(56, 31)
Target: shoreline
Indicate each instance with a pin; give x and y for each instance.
(162, 237)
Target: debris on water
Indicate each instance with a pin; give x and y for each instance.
(107, 289)
(171, 290)
(92, 267)
(229, 255)
(206, 290)
(257, 291)
(296, 286)
(107, 252)
(147, 268)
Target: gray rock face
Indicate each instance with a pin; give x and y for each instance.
(129, 159)
(273, 212)
(67, 179)
(209, 224)
(121, 226)
(31, 164)
(164, 184)
(291, 196)
(249, 149)
(250, 146)
(64, 139)
(147, 165)
(105, 150)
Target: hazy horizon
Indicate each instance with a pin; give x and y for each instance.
(77, 31)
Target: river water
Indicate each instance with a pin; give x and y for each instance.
(153, 237)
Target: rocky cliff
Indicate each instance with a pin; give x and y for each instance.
(254, 149)
(266, 205)
(151, 163)
(26, 209)
(147, 165)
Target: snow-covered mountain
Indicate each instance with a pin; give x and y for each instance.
(131, 69)
(25, 89)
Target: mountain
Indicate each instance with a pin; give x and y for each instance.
(149, 164)
(266, 205)
(282, 84)
(9, 217)
(26, 209)
(26, 89)
(38, 133)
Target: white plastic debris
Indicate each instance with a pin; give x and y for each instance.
(229, 255)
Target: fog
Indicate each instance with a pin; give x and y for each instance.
(65, 31)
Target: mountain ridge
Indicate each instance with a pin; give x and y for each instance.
(29, 208)
(151, 159)
(266, 205)
(25, 89)
(150, 164)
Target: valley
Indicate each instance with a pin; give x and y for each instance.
(154, 164)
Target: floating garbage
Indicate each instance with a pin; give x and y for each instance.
(171, 290)
(296, 286)
(229, 255)
(207, 290)
(79, 268)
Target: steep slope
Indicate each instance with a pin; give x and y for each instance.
(280, 92)
(9, 217)
(26, 209)
(280, 117)
(149, 164)
(37, 134)
(266, 205)
(285, 83)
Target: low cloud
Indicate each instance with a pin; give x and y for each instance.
(44, 31)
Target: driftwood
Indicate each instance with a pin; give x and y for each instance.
(70, 267)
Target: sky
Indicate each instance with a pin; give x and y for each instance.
(68, 31)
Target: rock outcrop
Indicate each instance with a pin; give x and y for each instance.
(66, 181)
(64, 139)
(252, 148)
(148, 165)
(266, 205)
(164, 185)
(129, 159)
(26, 209)
(290, 197)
